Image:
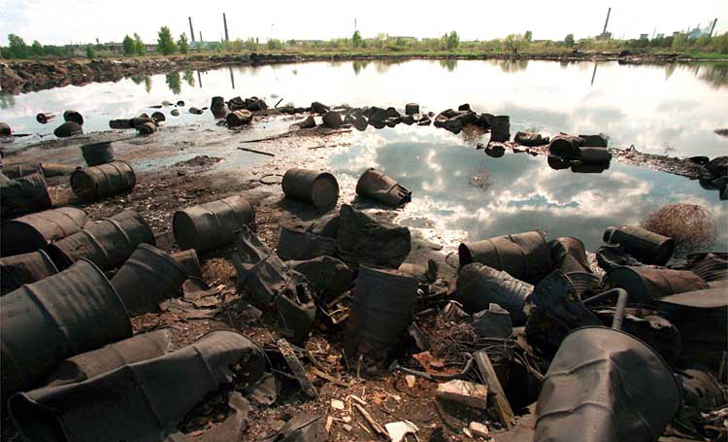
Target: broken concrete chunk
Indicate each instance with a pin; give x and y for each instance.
(336, 404)
(399, 430)
(464, 392)
(478, 430)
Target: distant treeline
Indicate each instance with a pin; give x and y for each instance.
(382, 43)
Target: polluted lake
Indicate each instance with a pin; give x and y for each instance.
(350, 251)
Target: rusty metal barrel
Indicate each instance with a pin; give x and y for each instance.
(478, 286)
(17, 170)
(318, 188)
(66, 314)
(500, 128)
(73, 116)
(96, 154)
(189, 259)
(211, 225)
(24, 269)
(524, 256)
(26, 194)
(35, 231)
(569, 254)
(68, 129)
(97, 362)
(123, 123)
(646, 285)
(610, 382)
(594, 154)
(382, 308)
(147, 278)
(44, 117)
(565, 146)
(107, 243)
(648, 247)
(376, 185)
(94, 183)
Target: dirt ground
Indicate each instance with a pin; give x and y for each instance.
(166, 184)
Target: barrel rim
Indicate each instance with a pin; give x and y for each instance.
(665, 365)
(163, 255)
(181, 216)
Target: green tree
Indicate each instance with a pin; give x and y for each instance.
(90, 52)
(453, 40)
(513, 43)
(129, 46)
(37, 49)
(183, 44)
(528, 37)
(17, 47)
(569, 40)
(721, 43)
(165, 43)
(703, 41)
(274, 44)
(356, 39)
(138, 45)
(680, 41)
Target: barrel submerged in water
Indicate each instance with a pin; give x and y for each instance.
(378, 186)
(35, 231)
(318, 188)
(73, 116)
(94, 183)
(500, 128)
(96, 154)
(382, 308)
(147, 278)
(63, 315)
(524, 256)
(211, 225)
(44, 117)
(648, 247)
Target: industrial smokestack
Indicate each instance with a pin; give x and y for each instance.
(200, 36)
(606, 22)
(192, 31)
(712, 28)
(224, 21)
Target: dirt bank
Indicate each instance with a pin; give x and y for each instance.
(26, 76)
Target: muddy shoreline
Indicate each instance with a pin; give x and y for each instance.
(18, 77)
(166, 186)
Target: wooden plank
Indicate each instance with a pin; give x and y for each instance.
(501, 401)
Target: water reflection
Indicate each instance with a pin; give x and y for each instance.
(523, 192)
(7, 101)
(512, 66)
(174, 82)
(359, 66)
(449, 64)
(716, 75)
(634, 104)
(232, 77)
(189, 78)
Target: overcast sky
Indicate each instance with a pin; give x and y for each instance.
(82, 21)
